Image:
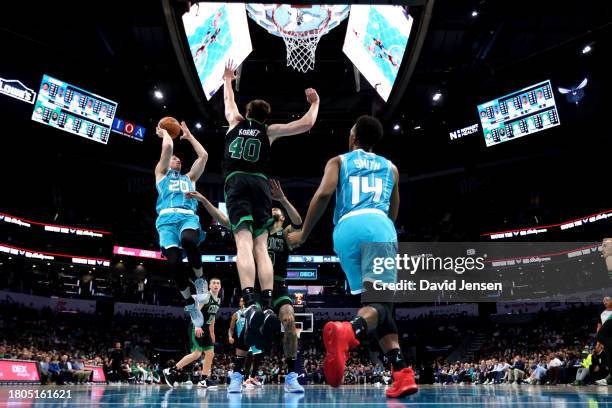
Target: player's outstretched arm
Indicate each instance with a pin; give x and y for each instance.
(302, 125)
(319, 202)
(292, 213)
(212, 210)
(395, 197)
(197, 168)
(232, 114)
(230, 331)
(166, 153)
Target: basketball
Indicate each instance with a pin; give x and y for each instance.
(171, 125)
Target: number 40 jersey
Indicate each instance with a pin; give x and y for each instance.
(365, 182)
(247, 149)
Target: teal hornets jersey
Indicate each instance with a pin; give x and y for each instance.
(365, 181)
(239, 321)
(172, 189)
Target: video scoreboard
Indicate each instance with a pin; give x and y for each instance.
(518, 114)
(75, 110)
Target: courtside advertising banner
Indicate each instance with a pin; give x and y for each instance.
(18, 371)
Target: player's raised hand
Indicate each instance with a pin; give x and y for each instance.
(296, 238)
(312, 96)
(276, 190)
(161, 132)
(186, 132)
(230, 70)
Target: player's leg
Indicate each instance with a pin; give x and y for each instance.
(237, 376)
(386, 332)
(209, 355)
(339, 337)
(239, 360)
(290, 344)
(245, 262)
(191, 237)
(240, 214)
(262, 220)
(174, 256)
(248, 363)
(270, 325)
(257, 356)
(290, 340)
(188, 359)
(197, 346)
(264, 268)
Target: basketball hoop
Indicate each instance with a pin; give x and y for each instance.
(301, 27)
(302, 45)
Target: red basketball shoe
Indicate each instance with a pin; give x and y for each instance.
(338, 338)
(403, 384)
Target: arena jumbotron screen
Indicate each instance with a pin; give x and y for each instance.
(521, 113)
(376, 41)
(216, 32)
(74, 110)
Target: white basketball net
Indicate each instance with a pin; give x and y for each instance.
(301, 48)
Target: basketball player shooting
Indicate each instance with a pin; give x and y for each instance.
(177, 223)
(249, 202)
(367, 204)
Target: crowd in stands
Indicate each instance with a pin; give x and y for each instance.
(563, 367)
(553, 347)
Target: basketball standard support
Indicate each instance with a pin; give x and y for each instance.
(357, 75)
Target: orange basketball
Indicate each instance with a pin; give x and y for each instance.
(171, 125)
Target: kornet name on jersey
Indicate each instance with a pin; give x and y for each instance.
(172, 189)
(365, 181)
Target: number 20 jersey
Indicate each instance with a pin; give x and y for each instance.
(247, 148)
(172, 189)
(365, 182)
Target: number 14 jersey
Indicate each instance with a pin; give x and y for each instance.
(365, 182)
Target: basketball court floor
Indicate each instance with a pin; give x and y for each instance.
(430, 396)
